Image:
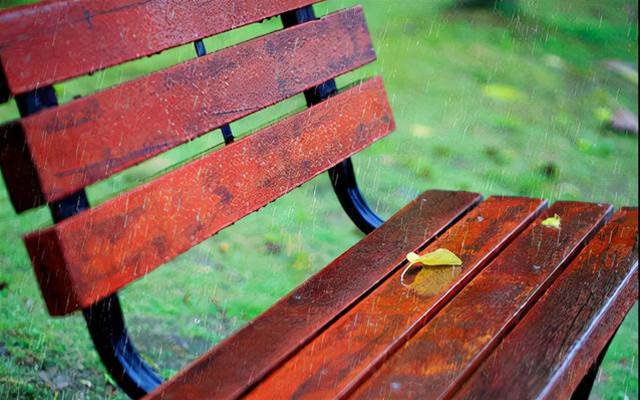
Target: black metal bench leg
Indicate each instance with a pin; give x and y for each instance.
(104, 319)
(583, 391)
(106, 325)
(107, 328)
(342, 175)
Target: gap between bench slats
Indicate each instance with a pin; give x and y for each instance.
(360, 339)
(435, 361)
(98, 251)
(241, 360)
(44, 43)
(552, 348)
(58, 151)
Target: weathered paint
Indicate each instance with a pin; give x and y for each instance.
(66, 148)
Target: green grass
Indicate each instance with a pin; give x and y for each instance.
(482, 102)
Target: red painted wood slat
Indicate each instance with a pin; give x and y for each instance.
(382, 321)
(44, 43)
(435, 362)
(244, 358)
(58, 151)
(92, 254)
(552, 348)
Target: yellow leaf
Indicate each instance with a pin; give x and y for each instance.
(412, 257)
(603, 114)
(552, 222)
(439, 257)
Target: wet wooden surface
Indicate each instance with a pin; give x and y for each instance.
(98, 251)
(525, 315)
(551, 349)
(240, 361)
(56, 40)
(358, 341)
(437, 360)
(58, 151)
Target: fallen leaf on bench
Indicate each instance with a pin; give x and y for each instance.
(428, 280)
(552, 222)
(437, 257)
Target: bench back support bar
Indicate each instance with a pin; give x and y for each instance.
(343, 178)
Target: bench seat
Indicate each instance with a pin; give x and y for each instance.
(355, 330)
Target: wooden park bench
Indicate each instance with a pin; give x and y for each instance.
(528, 314)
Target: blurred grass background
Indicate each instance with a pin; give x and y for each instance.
(494, 103)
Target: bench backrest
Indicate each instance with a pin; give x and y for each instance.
(55, 151)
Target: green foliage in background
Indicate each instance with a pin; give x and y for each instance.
(483, 101)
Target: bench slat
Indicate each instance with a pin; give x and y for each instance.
(92, 254)
(244, 358)
(445, 351)
(565, 331)
(358, 341)
(89, 139)
(52, 41)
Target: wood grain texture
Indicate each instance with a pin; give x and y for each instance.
(353, 345)
(51, 41)
(89, 139)
(552, 348)
(435, 361)
(240, 361)
(92, 254)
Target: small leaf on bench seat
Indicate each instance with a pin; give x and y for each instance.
(439, 257)
(552, 222)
